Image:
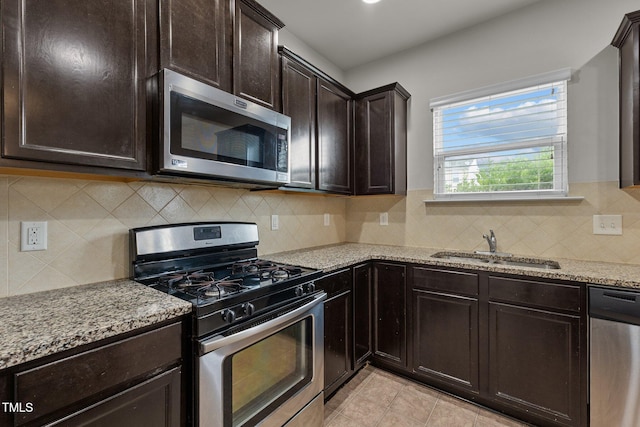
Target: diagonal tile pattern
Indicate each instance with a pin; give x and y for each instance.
(89, 222)
(375, 398)
(540, 228)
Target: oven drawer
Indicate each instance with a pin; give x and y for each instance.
(96, 374)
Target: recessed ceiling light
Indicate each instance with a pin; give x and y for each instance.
(371, 1)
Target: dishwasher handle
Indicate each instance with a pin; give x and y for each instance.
(614, 304)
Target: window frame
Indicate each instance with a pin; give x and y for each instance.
(559, 143)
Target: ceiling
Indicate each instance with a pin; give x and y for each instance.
(350, 33)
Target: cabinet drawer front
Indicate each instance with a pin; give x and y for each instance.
(155, 402)
(535, 294)
(58, 384)
(335, 283)
(444, 280)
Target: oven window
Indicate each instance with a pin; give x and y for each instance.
(206, 131)
(264, 375)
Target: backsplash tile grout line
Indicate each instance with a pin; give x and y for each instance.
(89, 222)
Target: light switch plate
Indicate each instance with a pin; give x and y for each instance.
(275, 222)
(384, 218)
(607, 224)
(327, 220)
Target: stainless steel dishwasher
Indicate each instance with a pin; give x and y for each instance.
(615, 357)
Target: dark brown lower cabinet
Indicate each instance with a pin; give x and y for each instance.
(155, 402)
(389, 315)
(514, 344)
(132, 381)
(338, 329)
(538, 350)
(362, 330)
(445, 321)
(445, 345)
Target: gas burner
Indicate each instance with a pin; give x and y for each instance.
(250, 267)
(186, 280)
(221, 288)
(278, 272)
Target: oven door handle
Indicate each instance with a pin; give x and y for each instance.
(219, 341)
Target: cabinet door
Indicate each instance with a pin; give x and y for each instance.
(335, 111)
(75, 74)
(374, 144)
(194, 37)
(155, 402)
(299, 103)
(362, 293)
(338, 328)
(445, 338)
(256, 66)
(381, 141)
(389, 295)
(337, 341)
(534, 358)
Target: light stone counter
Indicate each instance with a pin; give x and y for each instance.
(330, 258)
(44, 323)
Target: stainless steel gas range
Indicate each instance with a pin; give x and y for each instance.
(257, 327)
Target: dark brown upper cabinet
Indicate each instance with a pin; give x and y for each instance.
(196, 39)
(321, 112)
(229, 44)
(335, 141)
(381, 141)
(74, 80)
(256, 64)
(299, 103)
(626, 40)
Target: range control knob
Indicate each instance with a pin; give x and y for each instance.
(311, 287)
(229, 315)
(248, 309)
(299, 291)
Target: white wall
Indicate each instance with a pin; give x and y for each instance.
(546, 36)
(296, 45)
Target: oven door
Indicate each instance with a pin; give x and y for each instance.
(266, 372)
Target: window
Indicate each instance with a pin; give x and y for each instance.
(504, 141)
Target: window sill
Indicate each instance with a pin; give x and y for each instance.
(543, 199)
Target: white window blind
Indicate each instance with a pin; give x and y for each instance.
(510, 143)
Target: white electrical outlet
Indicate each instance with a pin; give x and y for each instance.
(275, 222)
(607, 224)
(384, 218)
(33, 236)
(327, 220)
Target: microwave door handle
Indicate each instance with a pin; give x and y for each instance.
(219, 341)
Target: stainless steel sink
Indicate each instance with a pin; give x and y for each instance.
(504, 259)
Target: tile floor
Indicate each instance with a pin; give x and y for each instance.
(375, 398)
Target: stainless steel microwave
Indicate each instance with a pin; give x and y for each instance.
(209, 133)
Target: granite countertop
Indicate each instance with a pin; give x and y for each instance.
(44, 323)
(330, 258)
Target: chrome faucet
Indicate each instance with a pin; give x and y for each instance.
(491, 239)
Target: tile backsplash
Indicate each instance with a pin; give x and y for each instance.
(548, 229)
(89, 221)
